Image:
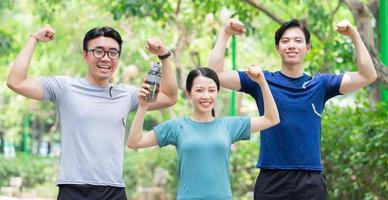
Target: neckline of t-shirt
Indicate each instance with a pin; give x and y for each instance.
(86, 82)
(291, 78)
(208, 122)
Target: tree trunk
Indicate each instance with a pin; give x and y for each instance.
(39, 135)
(52, 131)
(363, 17)
(1, 142)
(181, 43)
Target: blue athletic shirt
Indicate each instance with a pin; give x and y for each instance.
(295, 143)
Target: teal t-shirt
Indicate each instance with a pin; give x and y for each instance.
(203, 152)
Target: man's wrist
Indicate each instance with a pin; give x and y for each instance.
(262, 83)
(226, 35)
(144, 107)
(164, 56)
(355, 36)
(33, 36)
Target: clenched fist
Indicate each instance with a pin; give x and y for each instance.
(344, 27)
(234, 27)
(256, 74)
(155, 46)
(45, 34)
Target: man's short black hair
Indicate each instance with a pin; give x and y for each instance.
(105, 31)
(290, 24)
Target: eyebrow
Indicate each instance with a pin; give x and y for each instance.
(201, 87)
(292, 37)
(100, 47)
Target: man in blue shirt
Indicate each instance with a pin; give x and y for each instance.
(290, 151)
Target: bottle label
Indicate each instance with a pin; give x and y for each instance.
(153, 92)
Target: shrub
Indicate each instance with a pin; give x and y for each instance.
(355, 151)
(34, 170)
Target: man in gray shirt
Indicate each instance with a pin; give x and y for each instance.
(93, 113)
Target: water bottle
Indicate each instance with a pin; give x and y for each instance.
(153, 79)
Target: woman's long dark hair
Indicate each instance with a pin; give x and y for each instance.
(202, 71)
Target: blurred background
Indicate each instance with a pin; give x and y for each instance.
(354, 127)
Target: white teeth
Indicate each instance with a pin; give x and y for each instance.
(104, 66)
(205, 103)
(104, 69)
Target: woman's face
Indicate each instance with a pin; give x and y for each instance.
(203, 94)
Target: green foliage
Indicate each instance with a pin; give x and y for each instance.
(239, 10)
(243, 167)
(139, 168)
(5, 4)
(46, 10)
(157, 10)
(330, 51)
(355, 151)
(34, 170)
(5, 42)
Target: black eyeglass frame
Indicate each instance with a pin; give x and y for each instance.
(105, 53)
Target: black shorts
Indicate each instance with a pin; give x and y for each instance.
(290, 185)
(90, 192)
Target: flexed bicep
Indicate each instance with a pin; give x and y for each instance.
(261, 123)
(148, 140)
(230, 80)
(29, 87)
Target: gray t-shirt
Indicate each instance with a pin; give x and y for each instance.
(92, 121)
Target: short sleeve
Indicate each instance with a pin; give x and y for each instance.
(133, 91)
(238, 127)
(166, 133)
(332, 84)
(247, 85)
(53, 87)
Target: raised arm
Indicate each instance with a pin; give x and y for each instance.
(136, 138)
(271, 115)
(18, 79)
(366, 72)
(228, 78)
(168, 85)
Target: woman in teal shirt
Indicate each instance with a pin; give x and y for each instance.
(203, 141)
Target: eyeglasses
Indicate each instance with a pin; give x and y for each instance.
(100, 53)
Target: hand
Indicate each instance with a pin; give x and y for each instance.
(344, 27)
(45, 34)
(256, 74)
(142, 95)
(234, 27)
(156, 47)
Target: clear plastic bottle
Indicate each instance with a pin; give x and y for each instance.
(153, 79)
